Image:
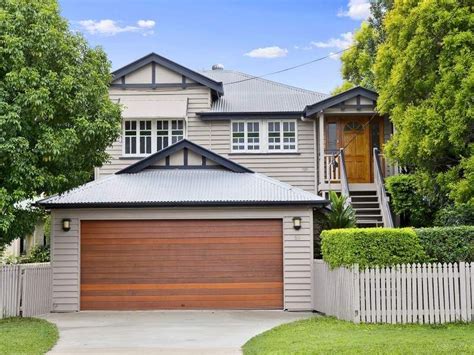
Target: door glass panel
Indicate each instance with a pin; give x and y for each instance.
(332, 136)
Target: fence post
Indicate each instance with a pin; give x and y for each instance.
(462, 291)
(356, 293)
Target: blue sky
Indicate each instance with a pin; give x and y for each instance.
(252, 36)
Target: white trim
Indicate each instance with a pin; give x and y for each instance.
(263, 136)
(154, 135)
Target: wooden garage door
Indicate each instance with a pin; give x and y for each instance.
(175, 264)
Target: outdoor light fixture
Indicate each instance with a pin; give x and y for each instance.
(297, 223)
(66, 224)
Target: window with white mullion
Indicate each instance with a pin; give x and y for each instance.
(281, 136)
(177, 131)
(145, 137)
(253, 136)
(274, 135)
(289, 135)
(238, 136)
(130, 133)
(162, 135)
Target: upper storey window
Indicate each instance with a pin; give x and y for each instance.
(143, 137)
(264, 136)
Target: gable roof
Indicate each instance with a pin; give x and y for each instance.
(339, 98)
(183, 188)
(184, 144)
(155, 58)
(247, 94)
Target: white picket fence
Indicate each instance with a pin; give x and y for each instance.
(427, 293)
(25, 290)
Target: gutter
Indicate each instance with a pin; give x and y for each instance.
(313, 203)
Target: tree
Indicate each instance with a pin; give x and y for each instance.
(424, 74)
(56, 118)
(358, 61)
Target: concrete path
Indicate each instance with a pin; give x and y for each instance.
(163, 332)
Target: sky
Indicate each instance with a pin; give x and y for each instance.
(252, 36)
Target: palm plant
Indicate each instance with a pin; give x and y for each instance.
(342, 215)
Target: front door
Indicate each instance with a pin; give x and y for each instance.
(355, 139)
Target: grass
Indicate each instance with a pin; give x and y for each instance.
(27, 336)
(324, 335)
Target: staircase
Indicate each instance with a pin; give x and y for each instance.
(367, 208)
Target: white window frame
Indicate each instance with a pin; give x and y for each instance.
(154, 134)
(263, 137)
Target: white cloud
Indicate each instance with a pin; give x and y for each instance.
(267, 52)
(148, 24)
(356, 10)
(343, 42)
(109, 27)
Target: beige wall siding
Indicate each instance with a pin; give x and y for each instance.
(295, 169)
(297, 258)
(199, 99)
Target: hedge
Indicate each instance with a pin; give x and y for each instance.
(448, 244)
(371, 247)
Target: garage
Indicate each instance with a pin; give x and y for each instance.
(184, 228)
(186, 264)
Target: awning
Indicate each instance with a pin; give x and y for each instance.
(154, 108)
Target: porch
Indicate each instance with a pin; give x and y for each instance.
(351, 136)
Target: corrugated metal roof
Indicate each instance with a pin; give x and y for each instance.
(259, 95)
(183, 187)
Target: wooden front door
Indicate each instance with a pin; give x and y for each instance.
(356, 140)
(181, 264)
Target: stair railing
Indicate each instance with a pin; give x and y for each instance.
(344, 183)
(381, 193)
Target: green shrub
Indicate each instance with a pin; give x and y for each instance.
(340, 216)
(371, 247)
(38, 254)
(460, 215)
(408, 202)
(448, 244)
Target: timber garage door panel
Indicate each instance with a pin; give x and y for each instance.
(178, 264)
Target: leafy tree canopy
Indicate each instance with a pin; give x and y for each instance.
(56, 118)
(425, 77)
(358, 60)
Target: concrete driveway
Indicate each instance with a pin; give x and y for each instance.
(163, 332)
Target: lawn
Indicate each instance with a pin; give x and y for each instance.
(323, 335)
(26, 336)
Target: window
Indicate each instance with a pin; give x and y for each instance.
(264, 136)
(137, 137)
(143, 137)
(245, 136)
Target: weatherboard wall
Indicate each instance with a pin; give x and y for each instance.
(297, 169)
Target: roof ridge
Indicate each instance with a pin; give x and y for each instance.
(272, 82)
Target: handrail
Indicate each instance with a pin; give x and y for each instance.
(344, 183)
(381, 193)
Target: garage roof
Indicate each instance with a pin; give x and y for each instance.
(169, 188)
(149, 184)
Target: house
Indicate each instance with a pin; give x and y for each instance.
(209, 195)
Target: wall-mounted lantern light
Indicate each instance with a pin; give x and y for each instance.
(297, 223)
(66, 224)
